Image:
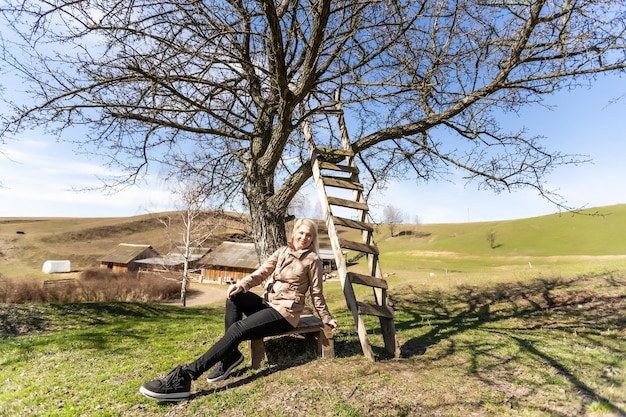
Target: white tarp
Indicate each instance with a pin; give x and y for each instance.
(53, 267)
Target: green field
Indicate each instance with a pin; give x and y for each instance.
(535, 326)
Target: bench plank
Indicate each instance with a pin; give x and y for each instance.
(309, 326)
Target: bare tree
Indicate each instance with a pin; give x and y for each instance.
(222, 87)
(297, 206)
(196, 225)
(491, 238)
(392, 217)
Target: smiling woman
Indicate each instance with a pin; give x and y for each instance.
(291, 272)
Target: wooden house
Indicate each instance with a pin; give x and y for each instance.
(328, 260)
(232, 261)
(173, 261)
(229, 262)
(125, 256)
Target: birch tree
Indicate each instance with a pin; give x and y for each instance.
(195, 224)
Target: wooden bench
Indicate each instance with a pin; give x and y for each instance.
(310, 326)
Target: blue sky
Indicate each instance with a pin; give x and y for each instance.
(38, 175)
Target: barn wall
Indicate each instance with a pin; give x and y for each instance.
(223, 275)
(114, 267)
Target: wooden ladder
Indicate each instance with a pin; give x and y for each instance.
(335, 170)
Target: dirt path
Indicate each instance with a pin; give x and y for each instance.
(202, 294)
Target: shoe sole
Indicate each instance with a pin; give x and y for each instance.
(177, 396)
(227, 372)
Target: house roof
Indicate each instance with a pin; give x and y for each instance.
(243, 255)
(125, 253)
(326, 254)
(175, 258)
(233, 254)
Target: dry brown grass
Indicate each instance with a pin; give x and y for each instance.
(93, 285)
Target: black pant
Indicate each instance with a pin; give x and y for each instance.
(261, 321)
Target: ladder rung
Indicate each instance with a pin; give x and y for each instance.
(367, 280)
(334, 152)
(336, 201)
(375, 310)
(341, 183)
(358, 246)
(335, 167)
(354, 224)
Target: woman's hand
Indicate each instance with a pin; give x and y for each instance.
(333, 325)
(233, 289)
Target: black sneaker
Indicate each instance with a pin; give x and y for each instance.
(176, 386)
(222, 369)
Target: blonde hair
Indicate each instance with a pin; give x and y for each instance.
(313, 226)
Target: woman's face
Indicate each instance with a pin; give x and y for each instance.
(302, 237)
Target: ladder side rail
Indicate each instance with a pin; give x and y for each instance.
(345, 138)
(362, 215)
(366, 236)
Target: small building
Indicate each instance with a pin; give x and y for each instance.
(229, 262)
(125, 256)
(173, 261)
(328, 260)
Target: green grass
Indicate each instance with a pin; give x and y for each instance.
(598, 231)
(86, 359)
(533, 327)
(540, 347)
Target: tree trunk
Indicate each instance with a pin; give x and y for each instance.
(268, 228)
(189, 216)
(183, 285)
(183, 291)
(267, 217)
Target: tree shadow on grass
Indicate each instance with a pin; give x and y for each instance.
(520, 312)
(22, 319)
(513, 311)
(467, 307)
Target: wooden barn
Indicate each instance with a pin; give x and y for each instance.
(125, 256)
(229, 262)
(232, 261)
(173, 261)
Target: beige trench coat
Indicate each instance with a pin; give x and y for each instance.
(292, 274)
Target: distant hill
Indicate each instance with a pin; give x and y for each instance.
(26, 243)
(597, 231)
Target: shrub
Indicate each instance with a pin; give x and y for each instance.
(92, 285)
(25, 290)
(104, 285)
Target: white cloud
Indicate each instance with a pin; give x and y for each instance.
(39, 179)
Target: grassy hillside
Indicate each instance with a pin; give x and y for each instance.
(540, 348)
(414, 251)
(599, 231)
(443, 254)
(533, 327)
(26, 243)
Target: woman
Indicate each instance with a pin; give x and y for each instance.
(294, 269)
